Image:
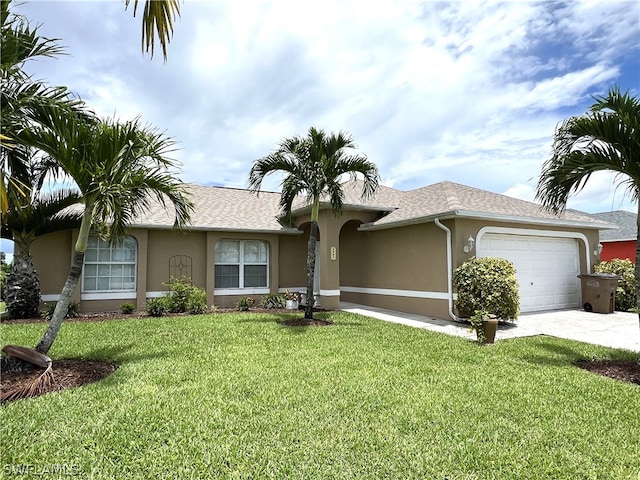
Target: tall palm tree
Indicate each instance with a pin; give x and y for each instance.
(607, 137)
(314, 166)
(158, 15)
(120, 169)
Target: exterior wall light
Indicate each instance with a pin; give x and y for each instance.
(598, 250)
(469, 245)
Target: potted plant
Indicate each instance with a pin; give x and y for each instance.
(292, 299)
(485, 326)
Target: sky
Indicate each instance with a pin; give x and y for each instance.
(465, 91)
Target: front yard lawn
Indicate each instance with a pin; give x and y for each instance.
(237, 395)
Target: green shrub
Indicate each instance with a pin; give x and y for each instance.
(245, 303)
(127, 308)
(476, 320)
(73, 310)
(156, 307)
(626, 291)
(197, 301)
(489, 285)
(179, 294)
(183, 296)
(5, 270)
(274, 300)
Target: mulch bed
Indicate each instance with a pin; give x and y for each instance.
(66, 374)
(625, 370)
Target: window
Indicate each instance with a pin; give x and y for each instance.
(241, 264)
(110, 268)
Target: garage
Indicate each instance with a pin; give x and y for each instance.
(546, 268)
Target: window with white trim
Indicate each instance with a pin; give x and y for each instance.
(110, 268)
(241, 264)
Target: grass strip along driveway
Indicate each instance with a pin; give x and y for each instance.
(237, 395)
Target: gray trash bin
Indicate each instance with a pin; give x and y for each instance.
(599, 292)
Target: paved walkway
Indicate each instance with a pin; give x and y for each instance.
(618, 330)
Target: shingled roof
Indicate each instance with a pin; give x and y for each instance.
(449, 199)
(223, 208)
(386, 199)
(234, 209)
(627, 223)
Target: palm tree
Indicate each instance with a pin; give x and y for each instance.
(158, 15)
(23, 100)
(36, 214)
(119, 170)
(607, 137)
(313, 166)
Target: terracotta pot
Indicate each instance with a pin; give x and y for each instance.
(489, 328)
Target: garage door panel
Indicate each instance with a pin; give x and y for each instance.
(546, 268)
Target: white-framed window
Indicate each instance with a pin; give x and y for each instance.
(110, 268)
(241, 264)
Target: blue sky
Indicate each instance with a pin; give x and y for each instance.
(464, 91)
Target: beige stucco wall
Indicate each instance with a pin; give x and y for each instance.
(408, 259)
(293, 260)
(164, 244)
(52, 258)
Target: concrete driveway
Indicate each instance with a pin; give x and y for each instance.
(618, 330)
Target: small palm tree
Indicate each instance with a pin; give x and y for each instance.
(313, 166)
(119, 170)
(607, 137)
(39, 214)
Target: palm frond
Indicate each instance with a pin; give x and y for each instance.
(607, 138)
(157, 19)
(313, 166)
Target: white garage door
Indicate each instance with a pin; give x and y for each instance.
(547, 268)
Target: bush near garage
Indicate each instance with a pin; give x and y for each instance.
(489, 285)
(626, 291)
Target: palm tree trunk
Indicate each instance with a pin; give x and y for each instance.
(63, 304)
(311, 269)
(70, 285)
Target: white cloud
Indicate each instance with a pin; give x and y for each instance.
(465, 91)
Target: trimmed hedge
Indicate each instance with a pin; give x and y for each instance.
(489, 285)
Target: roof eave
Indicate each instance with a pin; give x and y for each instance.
(407, 222)
(486, 216)
(617, 240)
(532, 220)
(346, 206)
(282, 231)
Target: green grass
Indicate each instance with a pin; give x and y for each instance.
(239, 396)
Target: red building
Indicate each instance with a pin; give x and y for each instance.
(620, 243)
